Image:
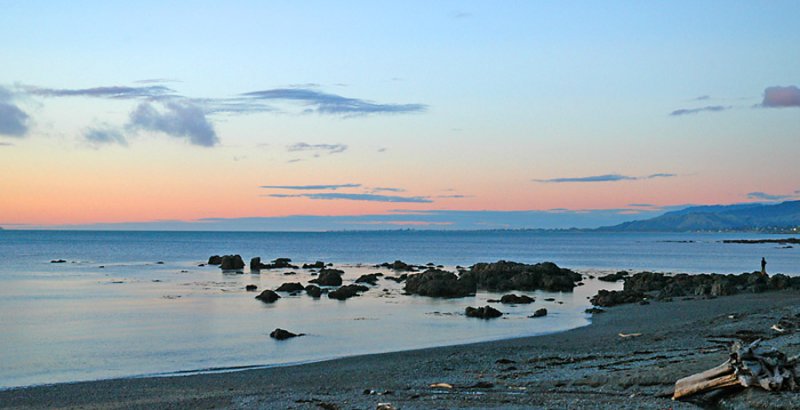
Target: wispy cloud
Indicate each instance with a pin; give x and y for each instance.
(157, 81)
(778, 97)
(702, 98)
(177, 118)
(104, 136)
(325, 103)
(385, 189)
(356, 197)
(317, 149)
(770, 197)
(6, 144)
(642, 205)
(13, 121)
(114, 92)
(312, 187)
(708, 108)
(603, 178)
(455, 196)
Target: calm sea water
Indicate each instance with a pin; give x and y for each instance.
(113, 311)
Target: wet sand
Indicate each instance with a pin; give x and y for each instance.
(588, 367)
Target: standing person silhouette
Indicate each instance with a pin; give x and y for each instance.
(763, 266)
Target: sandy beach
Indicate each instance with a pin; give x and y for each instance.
(588, 367)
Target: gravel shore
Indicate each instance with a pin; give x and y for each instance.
(588, 367)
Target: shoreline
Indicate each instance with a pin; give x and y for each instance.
(590, 366)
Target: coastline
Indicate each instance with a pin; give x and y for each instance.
(590, 366)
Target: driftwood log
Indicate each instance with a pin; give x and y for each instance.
(749, 366)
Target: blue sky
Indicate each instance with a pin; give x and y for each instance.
(129, 113)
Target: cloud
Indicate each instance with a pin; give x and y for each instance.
(455, 196)
(104, 136)
(603, 178)
(385, 189)
(702, 98)
(179, 118)
(311, 187)
(708, 108)
(356, 197)
(13, 121)
(325, 103)
(461, 14)
(777, 97)
(157, 81)
(317, 148)
(114, 92)
(6, 144)
(769, 197)
(642, 205)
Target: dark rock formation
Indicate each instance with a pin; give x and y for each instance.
(398, 265)
(329, 277)
(315, 265)
(371, 278)
(439, 283)
(399, 279)
(281, 334)
(280, 263)
(232, 262)
(268, 296)
(608, 298)
(516, 299)
(485, 312)
(539, 313)
(290, 287)
(215, 260)
(313, 291)
(347, 292)
(251, 288)
(614, 277)
(504, 276)
(58, 261)
(255, 263)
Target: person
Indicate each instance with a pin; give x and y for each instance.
(763, 266)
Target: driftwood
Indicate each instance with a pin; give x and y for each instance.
(748, 366)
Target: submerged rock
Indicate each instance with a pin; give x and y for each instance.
(58, 261)
(504, 275)
(315, 265)
(281, 334)
(398, 265)
(614, 277)
(485, 312)
(328, 277)
(539, 313)
(439, 283)
(371, 278)
(251, 288)
(313, 291)
(516, 299)
(268, 296)
(347, 292)
(290, 287)
(232, 262)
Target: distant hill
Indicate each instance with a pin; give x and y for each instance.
(782, 217)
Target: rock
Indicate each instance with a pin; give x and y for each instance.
(614, 277)
(516, 300)
(347, 292)
(398, 265)
(160, 263)
(268, 296)
(290, 287)
(251, 288)
(439, 283)
(255, 263)
(608, 298)
(328, 277)
(281, 263)
(399, 279)
(290, 273)
(232, 262)
(313, 291)
(281, 334)
(371, 278)
(215, 260)
(504, 276)
(594, 310)
(539, 313)
(315, 265)
(58, 261)
(485, 312)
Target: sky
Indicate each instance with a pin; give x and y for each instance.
(286, 115)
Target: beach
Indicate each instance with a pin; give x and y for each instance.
(588, 367)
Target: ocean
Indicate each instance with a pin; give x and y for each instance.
(130, 304)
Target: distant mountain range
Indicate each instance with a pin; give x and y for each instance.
(778, 218)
